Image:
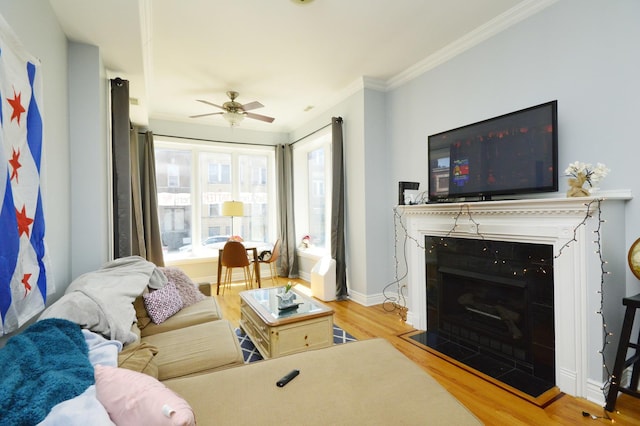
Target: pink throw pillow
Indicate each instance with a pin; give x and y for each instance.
(162, 303)
(188, 290)
(133, 398)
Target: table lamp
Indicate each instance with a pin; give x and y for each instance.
(232, 208)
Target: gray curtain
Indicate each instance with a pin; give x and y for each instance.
(146, 238)
(337, 209)
(288, 263)
(121, 168)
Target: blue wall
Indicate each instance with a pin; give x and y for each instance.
(584, 53)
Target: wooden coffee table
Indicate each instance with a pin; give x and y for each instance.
(277, 332)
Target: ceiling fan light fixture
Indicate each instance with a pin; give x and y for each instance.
(234, 118)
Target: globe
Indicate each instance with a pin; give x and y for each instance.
(634, 258)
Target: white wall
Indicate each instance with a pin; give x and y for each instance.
(37, 28)
(584, 53)
(352, 112)
(378, 216)
(89, 159)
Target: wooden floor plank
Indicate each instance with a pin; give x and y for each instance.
(492, 405)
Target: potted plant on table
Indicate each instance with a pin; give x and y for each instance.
(286, 299)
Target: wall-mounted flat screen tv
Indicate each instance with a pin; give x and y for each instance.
(513, 154)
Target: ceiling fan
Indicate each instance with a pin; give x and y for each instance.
(234, 112)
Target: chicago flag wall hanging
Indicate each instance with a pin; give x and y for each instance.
(24, 273)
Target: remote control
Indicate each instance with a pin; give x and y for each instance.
(286, 379)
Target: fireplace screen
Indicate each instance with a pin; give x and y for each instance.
(490, 306)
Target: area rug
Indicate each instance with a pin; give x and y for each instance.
(251, 353)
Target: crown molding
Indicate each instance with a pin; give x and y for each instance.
(498, 24)
(374, 83)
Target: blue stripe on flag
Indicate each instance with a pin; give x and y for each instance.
(34, 121)
(9, 248)
(34, 140)
(37, 241)
(1, 97)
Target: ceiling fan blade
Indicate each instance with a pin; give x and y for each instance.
(209, 103)
(252, 105)
(260, 117)
(204, 115)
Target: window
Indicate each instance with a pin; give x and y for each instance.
(312, 174)
(199, 178)
(174, 200)
(173, 175)
(219, 173)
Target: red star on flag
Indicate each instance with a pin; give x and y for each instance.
(15, 164)
(25, 283)
(23, 221)
(16, 104)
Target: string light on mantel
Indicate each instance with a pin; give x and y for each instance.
(606, 334)
(399, 302)
(486, 245)
(392, 303)
(605, 330)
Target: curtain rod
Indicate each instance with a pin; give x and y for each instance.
(312, 133)
(208, 140)
(240, 143)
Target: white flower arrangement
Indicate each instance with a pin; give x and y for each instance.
(587, 172)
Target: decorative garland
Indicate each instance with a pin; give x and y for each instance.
(399, 302)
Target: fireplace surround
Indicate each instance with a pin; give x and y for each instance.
(574, 228)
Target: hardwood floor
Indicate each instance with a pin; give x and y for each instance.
(491, 404)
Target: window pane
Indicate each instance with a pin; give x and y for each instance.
(254, 194)
(213, 173)
(316, 208)
(174, 198)
(215, 187)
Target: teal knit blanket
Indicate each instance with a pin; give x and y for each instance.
(44, 365)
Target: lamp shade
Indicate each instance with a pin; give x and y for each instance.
(234, 118)
(232, 208)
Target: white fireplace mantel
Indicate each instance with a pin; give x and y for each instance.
(573, 232)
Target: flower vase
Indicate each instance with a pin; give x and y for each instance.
(286, 299)
(575, 186)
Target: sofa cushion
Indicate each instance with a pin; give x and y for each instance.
(133, 398)
(361, 383)
(139, 356)
(163, 303)
(142, 316)
(204, 311)
(196, 349)
(189, 291)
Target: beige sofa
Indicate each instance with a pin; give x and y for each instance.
(196, 354)
(365, 382)
(360, 383)
(193, 341)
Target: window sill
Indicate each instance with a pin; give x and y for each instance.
(188, 259)
(314, 253)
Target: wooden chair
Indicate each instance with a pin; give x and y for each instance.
(275, 254)
(234, 255)
(622, 362)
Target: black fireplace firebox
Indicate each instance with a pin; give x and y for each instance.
(490, 307)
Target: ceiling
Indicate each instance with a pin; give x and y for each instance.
(296, 57)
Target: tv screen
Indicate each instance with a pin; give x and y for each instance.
(515, 153)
